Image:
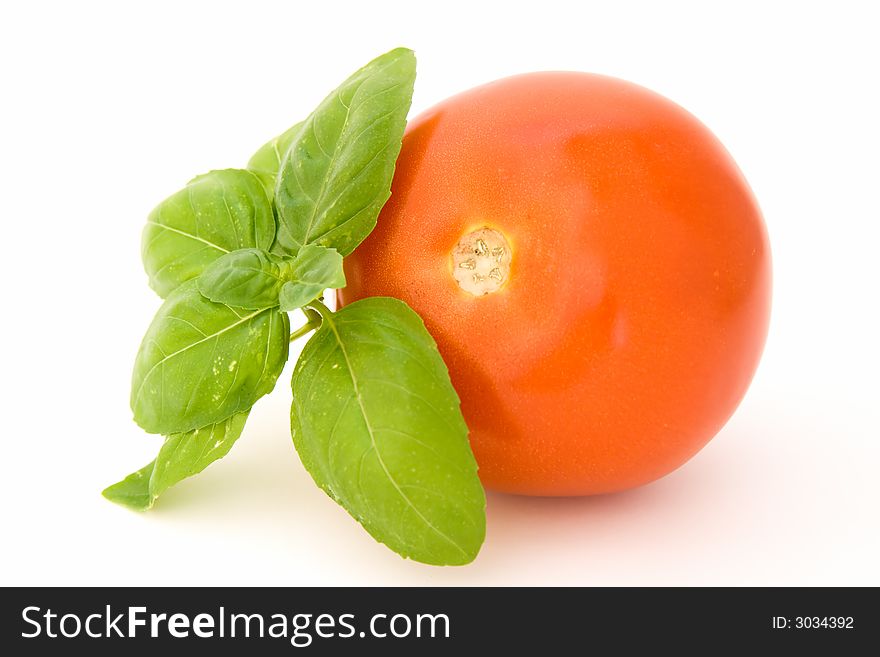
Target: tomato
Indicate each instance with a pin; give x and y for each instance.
(595, 271)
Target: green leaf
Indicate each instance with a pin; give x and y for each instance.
(133, 491)
(182, 455)
(267, 160)
(314, 269)
(201, 362)
(214, 214)
(186, 454)
(337, 174)
(248, 278)
(254, 279)
(377, 424)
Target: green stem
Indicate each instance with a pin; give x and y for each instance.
(313, 321)
(318, 308)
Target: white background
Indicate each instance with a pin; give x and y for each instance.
(106, 109)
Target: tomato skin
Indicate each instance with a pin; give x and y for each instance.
(638, 299)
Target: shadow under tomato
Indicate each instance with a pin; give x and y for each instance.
(712, 477)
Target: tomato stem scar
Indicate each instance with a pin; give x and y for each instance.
(481, 261)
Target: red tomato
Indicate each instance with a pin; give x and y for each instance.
(595, 271)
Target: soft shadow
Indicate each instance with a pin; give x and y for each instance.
(535, 540)
(265, 494)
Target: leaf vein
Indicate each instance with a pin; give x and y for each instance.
(189, 235)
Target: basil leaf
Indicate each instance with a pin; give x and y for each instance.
(133, 491)
(182, 455)
(267, 160)
(377, 424)
(214, 214)
(314, 269)
(254, 279)
(201, 362)
(247, 278)
(337, 174)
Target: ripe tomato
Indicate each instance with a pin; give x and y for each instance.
(595, 271)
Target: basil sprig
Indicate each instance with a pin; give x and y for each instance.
(375, 418)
